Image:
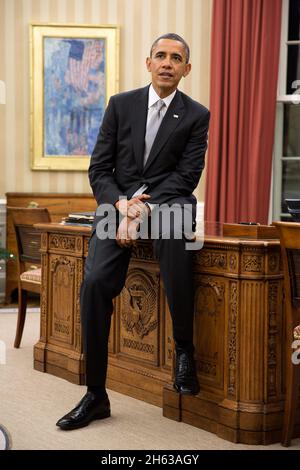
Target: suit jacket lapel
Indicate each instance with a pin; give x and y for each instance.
(139, 109)
(173, 116)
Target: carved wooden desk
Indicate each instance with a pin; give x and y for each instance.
(238, 331)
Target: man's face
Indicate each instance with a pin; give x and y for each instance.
(167, 65)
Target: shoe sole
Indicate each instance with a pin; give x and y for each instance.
(185, 393)
(77, 426)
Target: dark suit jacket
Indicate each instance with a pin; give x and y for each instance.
(176, 160)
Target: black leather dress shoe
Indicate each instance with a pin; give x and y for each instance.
(89, 408)
(186, 381)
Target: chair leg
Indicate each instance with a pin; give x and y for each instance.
(292, 387)
(21, 317)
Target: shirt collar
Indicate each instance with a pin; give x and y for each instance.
(153, 97)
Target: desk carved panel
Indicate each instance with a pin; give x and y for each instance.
(209, 321)
(139, 333)
(62, 295)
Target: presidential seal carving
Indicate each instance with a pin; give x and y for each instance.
(138, 304)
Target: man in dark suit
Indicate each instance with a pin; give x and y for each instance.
(150, 151)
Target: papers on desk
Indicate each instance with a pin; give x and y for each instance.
(80, 218)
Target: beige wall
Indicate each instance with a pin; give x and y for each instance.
(140, 22)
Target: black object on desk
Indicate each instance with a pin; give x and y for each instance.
(293, 206)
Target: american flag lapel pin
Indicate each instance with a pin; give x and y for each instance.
(175, 116)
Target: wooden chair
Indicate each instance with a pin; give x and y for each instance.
(290, 247)
(28, 246)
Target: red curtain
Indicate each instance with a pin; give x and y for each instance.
(244, 68)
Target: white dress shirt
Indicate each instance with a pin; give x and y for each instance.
(152, 100)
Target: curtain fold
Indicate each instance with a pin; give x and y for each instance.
(244, 69)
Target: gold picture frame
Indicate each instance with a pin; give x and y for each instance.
(74, 69)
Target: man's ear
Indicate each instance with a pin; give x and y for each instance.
(148, 64)
(187, 69)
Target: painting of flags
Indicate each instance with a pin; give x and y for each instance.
(74, 94)
(74, 70)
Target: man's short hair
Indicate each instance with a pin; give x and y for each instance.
(174, 37)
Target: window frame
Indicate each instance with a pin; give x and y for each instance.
(282, 98)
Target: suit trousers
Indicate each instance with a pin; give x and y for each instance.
(105, 274)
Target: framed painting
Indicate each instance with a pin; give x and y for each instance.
(73, 72)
